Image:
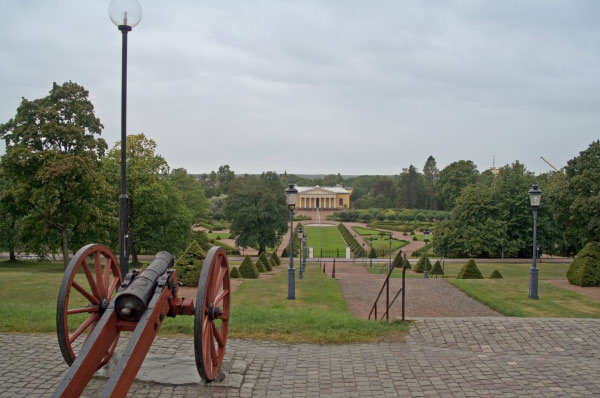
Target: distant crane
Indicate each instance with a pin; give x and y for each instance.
(550, 164)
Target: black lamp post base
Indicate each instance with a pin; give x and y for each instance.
(533, 284)
(291, 284)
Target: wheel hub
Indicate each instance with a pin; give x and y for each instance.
(103, 306)
(214, 312)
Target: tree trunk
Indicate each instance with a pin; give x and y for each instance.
(134, 255)
(12, 256)
(63, 231)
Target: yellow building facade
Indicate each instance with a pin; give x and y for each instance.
(327, 198)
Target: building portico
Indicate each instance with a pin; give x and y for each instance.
(337, 197)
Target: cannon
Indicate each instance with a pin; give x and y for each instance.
(95, 304)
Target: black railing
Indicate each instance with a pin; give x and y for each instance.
(386, 286)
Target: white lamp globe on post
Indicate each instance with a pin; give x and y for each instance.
(290, 194)
(125, 14)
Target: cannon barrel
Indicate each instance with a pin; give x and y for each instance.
(131, 303)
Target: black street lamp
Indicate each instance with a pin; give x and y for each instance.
(301, 239)
(391, 241)
(125, 14)
(535, 197)
(371, 257)
(364, 251)
(290, 195)
(426, 239)
(305, 253)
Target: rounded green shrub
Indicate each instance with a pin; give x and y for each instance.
(437, 269)
(275, 258)
(234, 273)
(248, 269)
(469, 271)
(265, 260)
(420, 266)
(496, 275)
(189, 264)
(414, 238)
(260, 266)
(585, 269)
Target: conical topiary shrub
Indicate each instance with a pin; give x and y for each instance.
(420, 266)
(248, 269)
(469, 271)
(285, 253)
(273, 264)
(189, 264)
(234, 273)
(275, 258)
(373, 253)
(437, 269)
(585, 269)
(406, 263)
(265, 260)
(398, 260)
(496, 275)
(260, 266)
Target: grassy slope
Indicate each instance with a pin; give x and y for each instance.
(327, 238)
(260, 309)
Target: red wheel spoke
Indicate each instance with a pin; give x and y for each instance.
(106, 277)
(221, 296)
(222, 273)
(217, 335)
(90, 319)
(85, 294)
(90, 278)
(98, 270)
(213, 350)
(112, 287)
(80, 310)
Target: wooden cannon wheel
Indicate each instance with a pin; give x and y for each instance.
(95, 284)
(212, 314)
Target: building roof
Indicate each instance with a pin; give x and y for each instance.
(336, 189)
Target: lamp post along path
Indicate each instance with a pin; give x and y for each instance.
(125, 14)
(301, 254)
(426, 239)
(535, 197)
(290, 195)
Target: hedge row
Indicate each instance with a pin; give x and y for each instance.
(355, 247)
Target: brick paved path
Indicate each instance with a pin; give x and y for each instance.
(486, 357)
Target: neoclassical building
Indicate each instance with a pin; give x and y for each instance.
(337, 197)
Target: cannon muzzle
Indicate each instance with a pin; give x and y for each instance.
(131, 303)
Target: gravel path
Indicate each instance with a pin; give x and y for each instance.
(424, 298)
(592, 292)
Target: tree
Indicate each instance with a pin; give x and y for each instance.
(431, 174)
(11, 214)
(192, 192)
(410, 189)
(453, 178)
(53, 151)
(257, 210)
(158, 216)
(216, 207)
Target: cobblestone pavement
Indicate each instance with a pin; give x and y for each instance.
(462, 357)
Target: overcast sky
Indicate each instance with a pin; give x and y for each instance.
(324, 86)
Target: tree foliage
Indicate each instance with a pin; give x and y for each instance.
(453, 178)
(192, 193)
(257, 210)
(53, 150)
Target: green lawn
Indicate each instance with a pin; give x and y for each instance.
(381, 242)
(260, 309)
(368, 231)
(510, 297)
(220, 235)
(326, 238)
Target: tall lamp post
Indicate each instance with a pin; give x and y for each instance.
(125, 14)
(535, 197)
(305, 253)
(290, 195)
(391, 241)
(371, 257)
(364, 251)
(426, 239)
(301, 239)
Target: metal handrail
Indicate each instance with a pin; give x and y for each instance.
(386, 285)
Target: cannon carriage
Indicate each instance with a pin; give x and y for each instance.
(138, 302)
